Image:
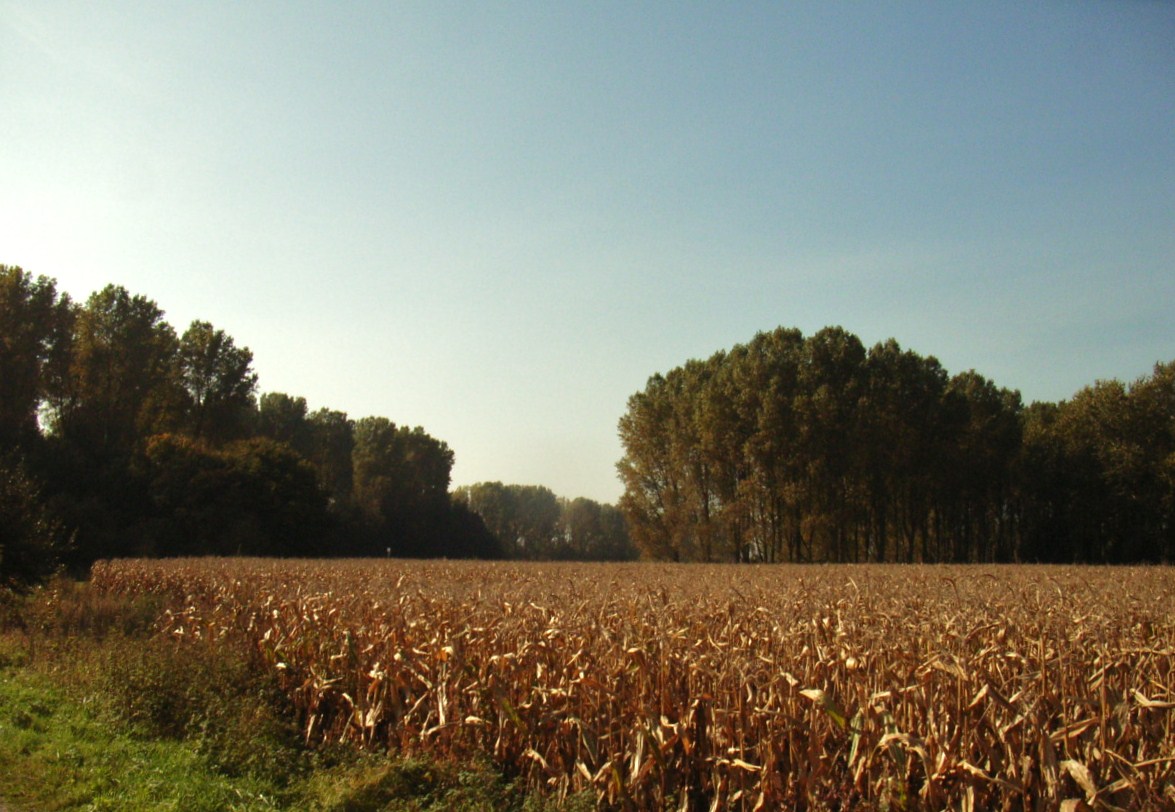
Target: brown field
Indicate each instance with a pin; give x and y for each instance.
(699, 687)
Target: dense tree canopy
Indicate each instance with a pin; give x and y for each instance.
(219, 383)
(35, 328)
(251, 496)
(531, 522)
(816, 449)
(400, 482)
(124, 438)
(121, 385)
(130, 440)
(31, 542)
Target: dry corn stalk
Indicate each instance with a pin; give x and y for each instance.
(704, 687)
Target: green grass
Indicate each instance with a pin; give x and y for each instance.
(57, 753)
(97, 713)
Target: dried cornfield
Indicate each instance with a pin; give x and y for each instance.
(720, 687)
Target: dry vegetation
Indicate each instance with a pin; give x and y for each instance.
(719, 686)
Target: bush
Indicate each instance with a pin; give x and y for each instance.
(30, 541)
(216, 699)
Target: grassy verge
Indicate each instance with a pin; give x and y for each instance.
(97, 713)
(58, 754)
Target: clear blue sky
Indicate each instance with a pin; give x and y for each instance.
(496, 220)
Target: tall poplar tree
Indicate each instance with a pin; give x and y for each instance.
(35, 332)
(123, 383)
(219, 381)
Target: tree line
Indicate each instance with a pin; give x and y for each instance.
(794, 448)
(120, 436)
(532, 523)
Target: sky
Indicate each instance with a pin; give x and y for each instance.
(496, 220)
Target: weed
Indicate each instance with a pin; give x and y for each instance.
(100, 711)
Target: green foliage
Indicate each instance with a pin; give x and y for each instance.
(420, 785)
(122, 384)
(235, 719)
(522, 517)
(812, 449)
(252, 497)
(97, 712)
(787, 448)
(401, 483)
(154, 444)
(283, 418)
(331, 447)
(31, 542)
(530, 522)
(590, 531)
(218, 379)
(35, 326)
(58, 752)
(325, 437)
(1113, 445)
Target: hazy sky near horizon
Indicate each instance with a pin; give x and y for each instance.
(497, 220)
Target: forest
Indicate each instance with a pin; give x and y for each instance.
(120, 436)
(802, 449)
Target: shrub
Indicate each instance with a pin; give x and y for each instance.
(214, 697)
(30, 541)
